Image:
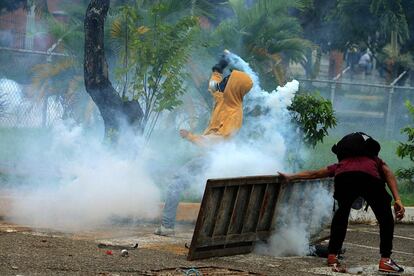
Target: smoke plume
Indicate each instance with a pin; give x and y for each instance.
(76, 182)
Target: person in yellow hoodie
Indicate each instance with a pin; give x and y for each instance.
(227, 115)
(225, 121)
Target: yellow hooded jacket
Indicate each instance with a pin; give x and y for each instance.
(227, 115)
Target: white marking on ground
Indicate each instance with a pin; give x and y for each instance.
(361, 270)
(377, 248)
(377, 233)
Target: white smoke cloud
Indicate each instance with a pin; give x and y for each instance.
(83, 184)
(308, 212)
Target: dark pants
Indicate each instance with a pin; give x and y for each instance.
(348, 187)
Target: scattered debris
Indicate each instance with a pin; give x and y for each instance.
(124, 253)
(118, 246)
(339, 268)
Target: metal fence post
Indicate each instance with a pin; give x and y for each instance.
(333, 88)
(388, 121)
(335, 83)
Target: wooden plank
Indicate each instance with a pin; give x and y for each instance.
(225, 210)
(213, 205)
(253, 209)
(239, 210)
(200, 221)
(278, 206)
(221, 251)
(246, 180)
(267, 209)
(234, 238)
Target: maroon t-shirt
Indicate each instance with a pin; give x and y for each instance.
(371, 166)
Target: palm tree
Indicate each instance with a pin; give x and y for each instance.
(392, 20)
(267, 34)
(393, 23)
(375, 23)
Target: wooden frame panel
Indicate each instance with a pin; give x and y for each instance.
(235, 213)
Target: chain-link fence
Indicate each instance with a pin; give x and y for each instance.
(373, 108)
(20, 110)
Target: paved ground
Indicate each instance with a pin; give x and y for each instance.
(43, 252)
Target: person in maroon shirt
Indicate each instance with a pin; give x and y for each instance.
(360, 176)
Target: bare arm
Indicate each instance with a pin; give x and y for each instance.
(201, 140)
(321, 173)
(392, 184)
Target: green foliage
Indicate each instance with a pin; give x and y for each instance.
(406, 150)
(11, 5)
(391, 17)
(266, 25)
(154, 42)
(314, 116)
(266, 34)
(358, 20)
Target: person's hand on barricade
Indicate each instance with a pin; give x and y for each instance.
(284, 177)
(399, 210)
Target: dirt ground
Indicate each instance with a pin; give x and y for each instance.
(26, 251)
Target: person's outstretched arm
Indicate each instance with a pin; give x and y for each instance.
(201, 140)
(321, 173)
(392, 184)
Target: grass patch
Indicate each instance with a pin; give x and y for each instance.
(406, 190)
(15, 141)
(322, 155)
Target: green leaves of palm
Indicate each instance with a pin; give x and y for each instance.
(265, 25)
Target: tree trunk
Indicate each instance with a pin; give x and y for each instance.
(110, 104)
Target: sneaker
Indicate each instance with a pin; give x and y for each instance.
(335, 264)
(164, 231)
(388, 265)
(332, 259)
